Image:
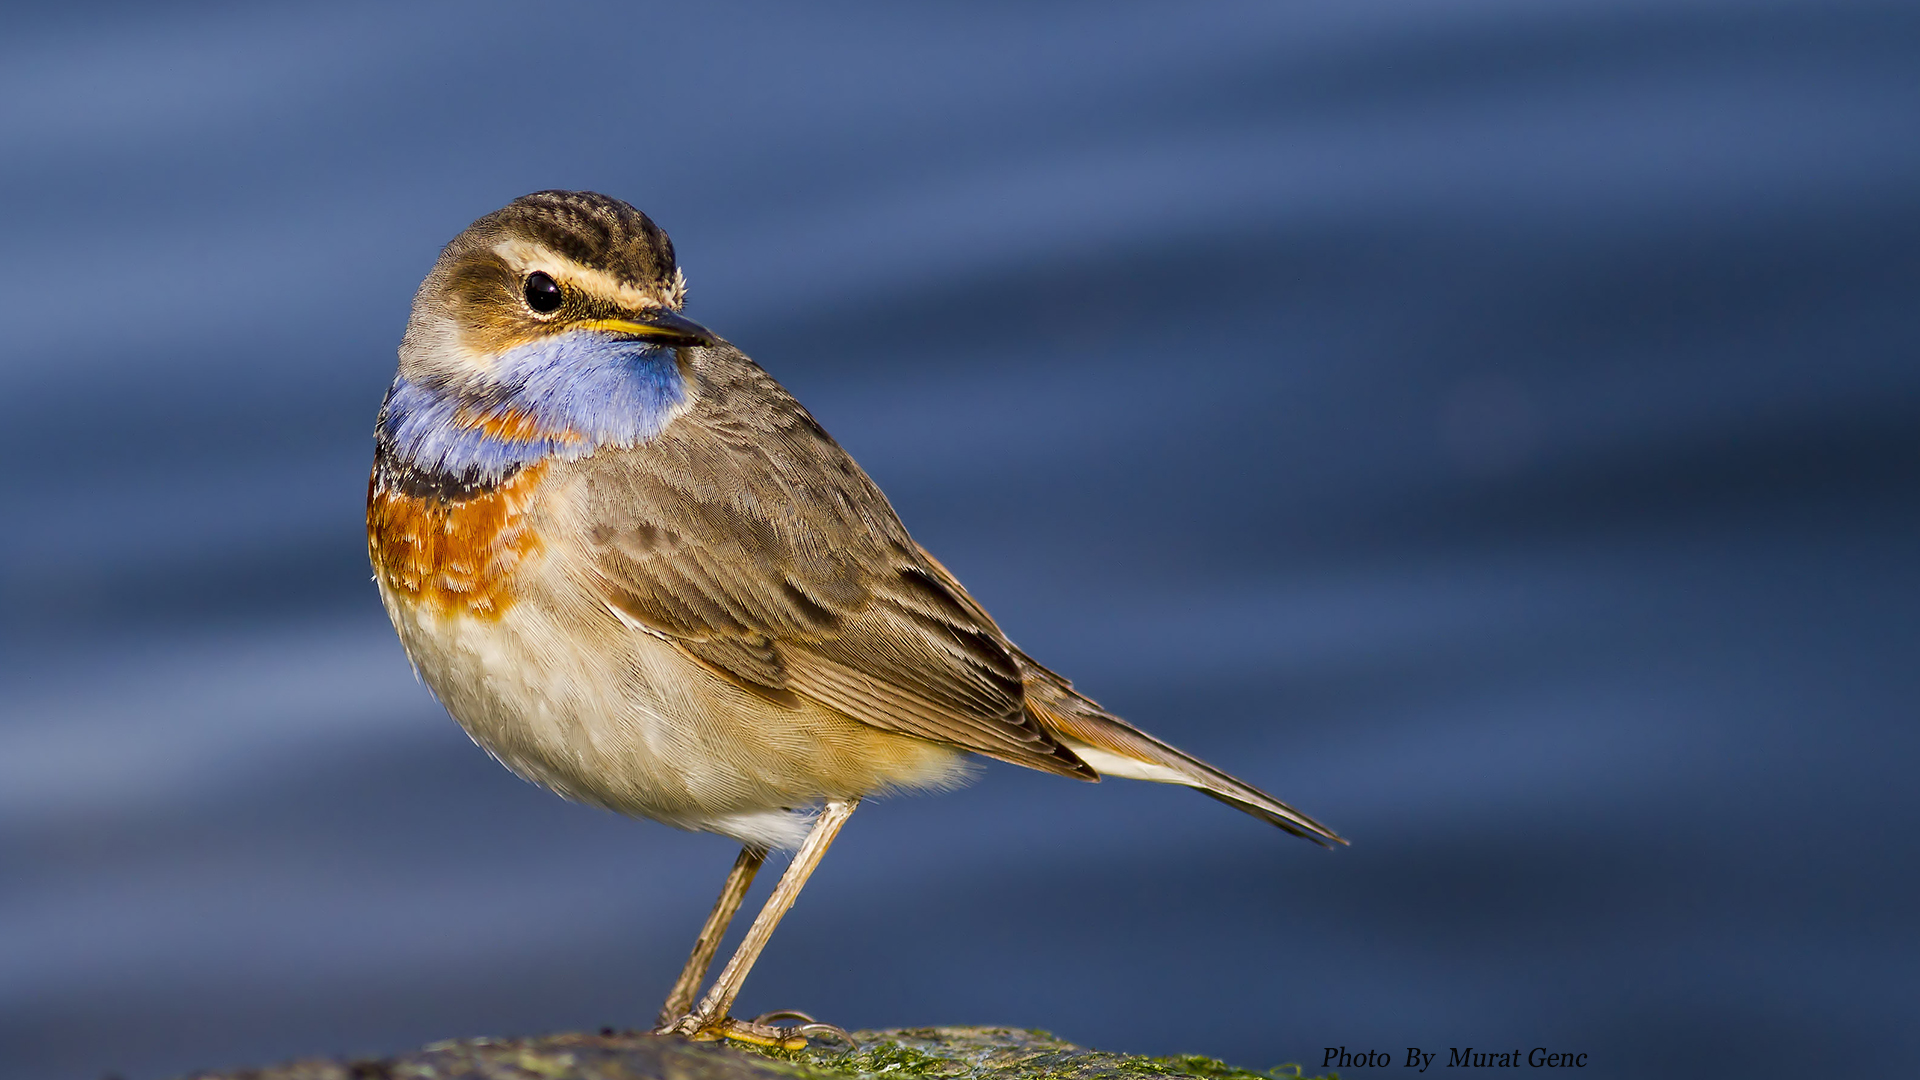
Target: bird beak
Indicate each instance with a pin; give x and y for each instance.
(660, 327)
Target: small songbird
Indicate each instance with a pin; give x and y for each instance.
(639, 573)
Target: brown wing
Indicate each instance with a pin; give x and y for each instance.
(750, 540)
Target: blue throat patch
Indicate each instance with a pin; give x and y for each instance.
(560, 398)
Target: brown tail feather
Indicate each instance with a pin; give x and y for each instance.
(1089, 729)
(1060, 710)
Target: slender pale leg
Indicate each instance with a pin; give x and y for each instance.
(739, 880)
(710, 1020)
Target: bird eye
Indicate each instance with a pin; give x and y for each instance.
(543, 295)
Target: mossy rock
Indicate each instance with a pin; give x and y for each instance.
(951, 1053)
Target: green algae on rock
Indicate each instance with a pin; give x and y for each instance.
(995, 1053)
(949, 1053)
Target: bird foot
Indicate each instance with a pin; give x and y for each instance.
(759, 1031)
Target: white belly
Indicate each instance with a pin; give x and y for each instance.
(612, 716)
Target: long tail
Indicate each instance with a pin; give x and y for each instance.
(1116, 748)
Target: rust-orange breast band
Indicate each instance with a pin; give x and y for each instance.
(459, 556)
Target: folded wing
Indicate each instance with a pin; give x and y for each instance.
(751, 541)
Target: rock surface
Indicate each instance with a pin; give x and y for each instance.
(951, 1053)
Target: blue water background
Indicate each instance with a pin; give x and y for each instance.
(1492, 426)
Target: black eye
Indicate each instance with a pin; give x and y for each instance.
(542, 294)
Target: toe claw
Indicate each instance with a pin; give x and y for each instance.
(784, 1014)
(813, 1029)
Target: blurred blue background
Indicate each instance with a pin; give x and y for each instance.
(1494, 427)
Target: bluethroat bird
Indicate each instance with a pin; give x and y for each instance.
(639, 573)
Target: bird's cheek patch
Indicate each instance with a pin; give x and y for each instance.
(484, 302)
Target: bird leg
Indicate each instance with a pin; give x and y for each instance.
(739, 880)
(710, 1019)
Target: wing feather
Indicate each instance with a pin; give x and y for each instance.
(759, 549)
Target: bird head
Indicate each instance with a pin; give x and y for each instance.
(550, 326)
(547, 266)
